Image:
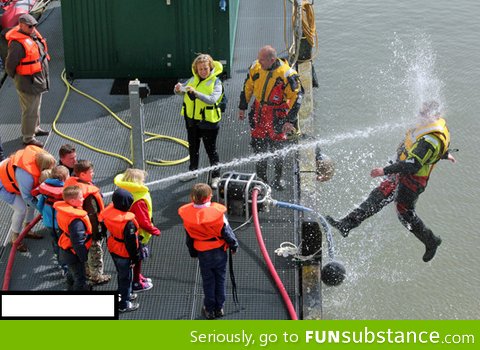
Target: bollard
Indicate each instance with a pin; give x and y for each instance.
(137, 92)
(311, 271)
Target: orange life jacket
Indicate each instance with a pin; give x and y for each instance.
(52, 193)
(32, 62)
(204, 225)
(65, 215)
(115, 221)
(87, 190)
(24, 159)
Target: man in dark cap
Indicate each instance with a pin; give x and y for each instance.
(27, 64)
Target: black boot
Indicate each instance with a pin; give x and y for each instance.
(431, 248)
(355, 218)
(278, 183)
(339, 225)
(261, 170)
(375, 201)
(414, 224)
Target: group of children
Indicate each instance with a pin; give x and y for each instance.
(73, 210)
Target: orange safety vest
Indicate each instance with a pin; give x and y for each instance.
(52, 194)
(24, 159)
(204, 225)
(115, 221)
(32, 62)
(65, 215)
(87, 190)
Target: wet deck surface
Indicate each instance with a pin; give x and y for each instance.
(177, 292)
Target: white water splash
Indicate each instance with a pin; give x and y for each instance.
(332, 140)
(416, 66)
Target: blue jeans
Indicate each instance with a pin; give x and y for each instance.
(213, 267)
(124, 279)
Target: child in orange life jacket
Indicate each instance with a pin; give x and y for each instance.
(75, 239)
(133, 181)
(208, 237)
(50, 191)
(93, 205)
(123, 244)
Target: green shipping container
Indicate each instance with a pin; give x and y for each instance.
(145, 38)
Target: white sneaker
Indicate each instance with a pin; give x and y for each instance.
(131, 306)
(214, 183)
(189, 177)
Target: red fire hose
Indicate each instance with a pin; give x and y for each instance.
(13, 251)
(271, 268)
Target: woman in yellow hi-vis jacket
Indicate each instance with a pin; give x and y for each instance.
(202, 95)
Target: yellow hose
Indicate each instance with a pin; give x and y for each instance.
(154, 136)
(309, 27)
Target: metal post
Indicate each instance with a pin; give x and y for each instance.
(137, 92)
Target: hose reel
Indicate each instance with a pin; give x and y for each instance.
(235, 193)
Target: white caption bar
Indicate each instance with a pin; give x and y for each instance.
(55, 305)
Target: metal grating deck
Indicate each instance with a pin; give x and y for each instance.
(177, 292)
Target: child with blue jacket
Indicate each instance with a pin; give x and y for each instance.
(50, 192)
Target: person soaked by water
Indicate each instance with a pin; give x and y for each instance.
(424, 145)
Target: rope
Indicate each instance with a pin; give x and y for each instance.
(308, 28)
(288, 248)
(39, 6)
(158, 162)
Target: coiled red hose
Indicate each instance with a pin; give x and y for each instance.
(268, 261)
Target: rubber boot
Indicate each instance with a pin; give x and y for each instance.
(349, 222)
(340, 225)
(373, 204)
(261, 170)
(426, 236)
(431, 247)
(415, 225)
(278, 182)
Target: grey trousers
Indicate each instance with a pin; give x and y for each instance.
(30, 105)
